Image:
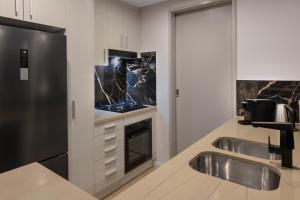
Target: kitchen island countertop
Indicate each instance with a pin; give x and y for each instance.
(35, 182)
(176, 180)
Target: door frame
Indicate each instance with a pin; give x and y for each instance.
(200, 4)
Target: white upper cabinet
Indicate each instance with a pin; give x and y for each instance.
(48, 12)
(115, 19)
(130, 28)
(116, 27)
(11, 9)
(101, 34)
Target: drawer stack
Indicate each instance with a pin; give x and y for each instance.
(109, 154)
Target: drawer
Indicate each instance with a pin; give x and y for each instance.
(106, 178)
(109, 162)
(109, 150)
(109, 127)
(109, 138)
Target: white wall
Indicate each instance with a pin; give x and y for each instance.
(155, 36)
(268, 41)
(268, 48)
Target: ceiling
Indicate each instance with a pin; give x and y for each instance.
(142, 3)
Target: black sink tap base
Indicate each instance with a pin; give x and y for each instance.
(286, 141)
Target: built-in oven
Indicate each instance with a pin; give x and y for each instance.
(138, 144)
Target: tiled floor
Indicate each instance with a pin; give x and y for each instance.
(114, 194)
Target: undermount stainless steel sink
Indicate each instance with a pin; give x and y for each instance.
(244, 172)
(246, 147)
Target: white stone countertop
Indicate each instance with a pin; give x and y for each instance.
(176, 180)
(35, 182)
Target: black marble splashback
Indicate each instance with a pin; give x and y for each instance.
(287, 92)
(127, 78)
(110, 83)
(141, 79)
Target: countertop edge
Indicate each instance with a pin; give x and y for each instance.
(105, 119)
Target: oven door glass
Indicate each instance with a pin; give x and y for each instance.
(138, 148)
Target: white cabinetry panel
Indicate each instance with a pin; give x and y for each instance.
(49, 12)
(11, 9)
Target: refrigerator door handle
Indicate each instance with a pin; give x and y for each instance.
(73, 110)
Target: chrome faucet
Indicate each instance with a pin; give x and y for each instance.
(286, 141)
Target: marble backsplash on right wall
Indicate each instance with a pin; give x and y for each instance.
(287, 92)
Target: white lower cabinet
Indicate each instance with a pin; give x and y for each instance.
(109, 150)
(109, 154)
(109, 162)
(107, 177)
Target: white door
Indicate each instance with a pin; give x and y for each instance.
(52, 13)
(11, 9)
(203, 72)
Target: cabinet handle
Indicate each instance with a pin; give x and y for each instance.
(104, 53)
(31, 11)
(110, 149)
(73, 109)
(122, 38)
(112, 172)
(109, 127)
(17, 7)
(110, 161)
(110, 138)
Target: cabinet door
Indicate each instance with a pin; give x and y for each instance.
(101, 31)
(48, 12)
(79, 33)
(115, 35)
(130, 28)
(11, 9)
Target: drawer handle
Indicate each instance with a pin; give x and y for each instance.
(110, 161)
(109, 127)
(110, 149)
(112, 172)
(110, 138)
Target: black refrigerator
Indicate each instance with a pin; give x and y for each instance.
(33, 99)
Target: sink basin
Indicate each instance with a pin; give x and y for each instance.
(246, 147)
(244, 172)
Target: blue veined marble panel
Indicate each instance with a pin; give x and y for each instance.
(110, 82)
(141, 79)
(126, 79)
(287, 92)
